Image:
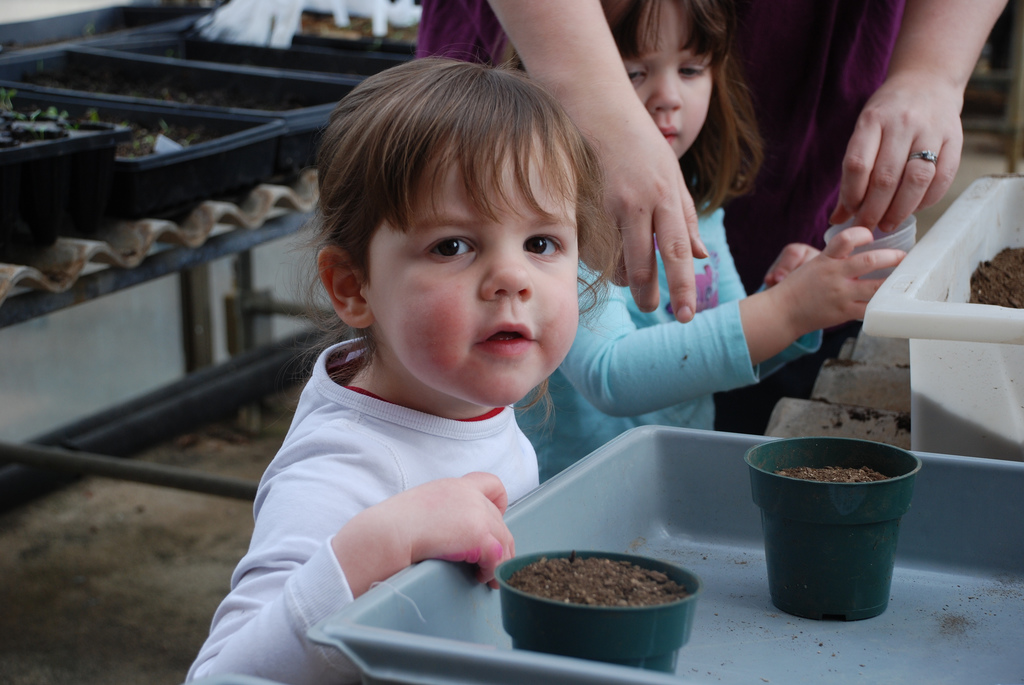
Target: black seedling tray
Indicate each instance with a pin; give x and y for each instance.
(95, 23)
(240, 156)
(296, 58)
(303, 101)
(47, 183)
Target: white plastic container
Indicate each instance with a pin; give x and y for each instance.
(902, 238)
(966, 360)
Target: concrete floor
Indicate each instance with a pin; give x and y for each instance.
(107, 582)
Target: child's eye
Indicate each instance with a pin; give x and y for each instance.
(635, 72)
(691, 71)
(450, 247)
(541, 245)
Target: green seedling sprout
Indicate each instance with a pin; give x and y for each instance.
(53, 113)
(7, 99)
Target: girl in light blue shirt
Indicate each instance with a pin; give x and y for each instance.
(628, 368)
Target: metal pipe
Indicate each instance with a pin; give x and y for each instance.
(262, 302)
(207, 395)
(85, 463)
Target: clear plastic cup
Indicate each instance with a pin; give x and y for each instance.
(902, 238)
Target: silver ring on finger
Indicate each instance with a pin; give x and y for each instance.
(926, 155)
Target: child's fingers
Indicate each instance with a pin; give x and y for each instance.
(493, 552)
(492, 488)
(791, 258)
(872, 260)
(843, 243)
(862, 290)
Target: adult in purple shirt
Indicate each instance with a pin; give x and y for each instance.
(846, 92)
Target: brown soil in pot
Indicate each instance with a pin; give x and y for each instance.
(1001, 280)
(834, 474)
(596, 581)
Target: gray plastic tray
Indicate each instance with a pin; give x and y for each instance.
(956, 613)
(234, 679)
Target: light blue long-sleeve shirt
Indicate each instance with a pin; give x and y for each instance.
(628, 368)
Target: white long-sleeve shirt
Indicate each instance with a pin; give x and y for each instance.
(345, 451)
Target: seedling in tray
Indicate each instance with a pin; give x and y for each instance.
(208, 153)
(40, 153)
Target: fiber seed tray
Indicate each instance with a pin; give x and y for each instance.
(956, 613)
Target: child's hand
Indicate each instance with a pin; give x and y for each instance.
(462, 521)
(827, 289)
(457, 519)
(792, 257)
(824, 291)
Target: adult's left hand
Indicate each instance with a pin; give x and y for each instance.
(881, 185)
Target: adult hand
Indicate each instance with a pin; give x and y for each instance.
(909, 113)
(567, 46)
(917, 109)
(648, 199)
(457, 519)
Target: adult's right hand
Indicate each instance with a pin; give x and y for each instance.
(648, 198)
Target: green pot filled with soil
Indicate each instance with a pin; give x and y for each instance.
(830, 512)
(617, 608)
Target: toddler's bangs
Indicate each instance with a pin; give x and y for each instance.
(637, 23)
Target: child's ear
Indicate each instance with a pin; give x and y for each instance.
(344, 286)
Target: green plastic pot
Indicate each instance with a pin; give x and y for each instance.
(830, 548)
(645, 637)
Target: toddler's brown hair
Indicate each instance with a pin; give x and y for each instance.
(402, 130)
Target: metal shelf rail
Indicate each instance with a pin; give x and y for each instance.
(99, 445)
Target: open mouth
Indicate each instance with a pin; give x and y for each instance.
(502, 336)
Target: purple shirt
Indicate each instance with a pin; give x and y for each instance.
(811, 66)
(461, 29)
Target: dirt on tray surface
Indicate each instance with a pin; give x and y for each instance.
(108, 582)
(1000, 281)
(596, 581)
(834, 474)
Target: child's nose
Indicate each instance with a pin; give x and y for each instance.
(507, 278)
(665, 93)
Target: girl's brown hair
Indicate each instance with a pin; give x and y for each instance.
(402, 130)
(725, 157)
